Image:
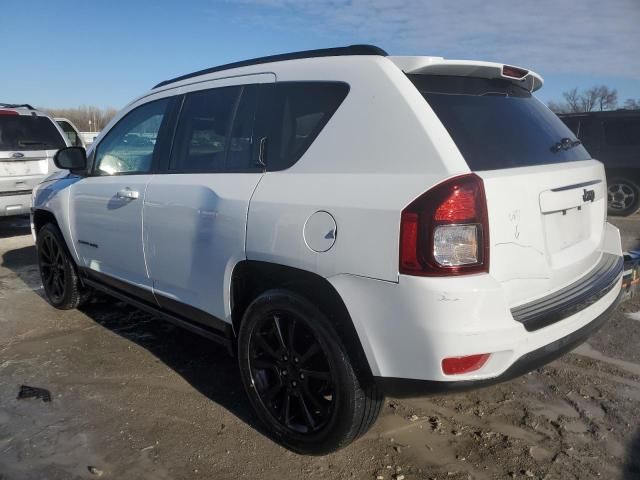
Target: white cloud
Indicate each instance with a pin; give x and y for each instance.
(552, 36)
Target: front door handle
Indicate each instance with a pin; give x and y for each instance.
(128, 194)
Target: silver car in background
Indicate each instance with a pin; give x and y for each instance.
(28, 141)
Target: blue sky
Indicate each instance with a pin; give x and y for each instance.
(66, 53)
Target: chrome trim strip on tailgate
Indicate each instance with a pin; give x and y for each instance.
(572, 298)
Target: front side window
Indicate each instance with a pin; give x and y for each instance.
(129, 147)
(496, 124)
(622, 131)
(201, 139)
(28, 132)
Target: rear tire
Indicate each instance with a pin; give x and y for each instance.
(623, 197)
(298, 377)
(58, 270)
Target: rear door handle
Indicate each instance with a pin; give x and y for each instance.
(128, 194)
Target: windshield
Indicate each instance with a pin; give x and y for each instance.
(27, 132)
(496, 124)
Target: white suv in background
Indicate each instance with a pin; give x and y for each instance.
(28, 140)
(349, 224)
(71, 131)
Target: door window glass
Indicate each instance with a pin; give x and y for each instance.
(129, 147)
(203, 130)
(240, 153)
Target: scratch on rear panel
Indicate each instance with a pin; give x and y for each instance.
(514, 217)
(444, 297)
(537, 250)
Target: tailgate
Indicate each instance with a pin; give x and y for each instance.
(546, 226)
(21, 171)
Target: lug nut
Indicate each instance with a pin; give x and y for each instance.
(294, 383)
(285, 358)
(284, 372)
(301, 376)
(295, 360)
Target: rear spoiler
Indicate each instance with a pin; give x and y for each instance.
(468, 68)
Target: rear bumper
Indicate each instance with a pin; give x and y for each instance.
(407, 328)
(402, 387)
(16, 203)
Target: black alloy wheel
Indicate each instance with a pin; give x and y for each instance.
(291, 372)
(60, 280)
(298, 376)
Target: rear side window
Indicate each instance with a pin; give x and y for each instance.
(622, 132)
(28, 132)
(203, 130)
(293, 114)
(496, 124)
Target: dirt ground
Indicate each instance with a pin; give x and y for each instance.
(136, 398)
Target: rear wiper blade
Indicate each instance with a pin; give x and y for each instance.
(565, 144)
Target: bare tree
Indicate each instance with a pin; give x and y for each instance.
(573, 99)
(589, 99)
(607, 98)
(632, 104)
(598, 97)
(558, 107)
(86, 117)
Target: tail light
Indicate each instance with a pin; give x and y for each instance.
(445, 231)
(8, 112)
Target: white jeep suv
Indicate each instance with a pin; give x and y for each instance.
(349, 224)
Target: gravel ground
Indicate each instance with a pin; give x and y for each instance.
(135, 398)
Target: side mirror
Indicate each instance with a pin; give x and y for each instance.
(71, 158)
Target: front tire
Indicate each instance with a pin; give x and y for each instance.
(60, 280)
(298, 377)
(623, 197)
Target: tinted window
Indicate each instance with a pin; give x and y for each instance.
(240, 156)
(295, 115)
(496, 124)
(27, 132)
(574, 124)
(130, 145)
(70, 132)
(622, 131)
(203, 130)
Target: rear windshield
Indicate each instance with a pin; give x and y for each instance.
(27, 132)
(496, 124)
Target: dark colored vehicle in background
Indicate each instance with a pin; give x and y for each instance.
(614, 139)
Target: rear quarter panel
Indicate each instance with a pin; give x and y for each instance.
(383, 147)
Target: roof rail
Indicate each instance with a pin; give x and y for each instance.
(323, 52)
(16, 105)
